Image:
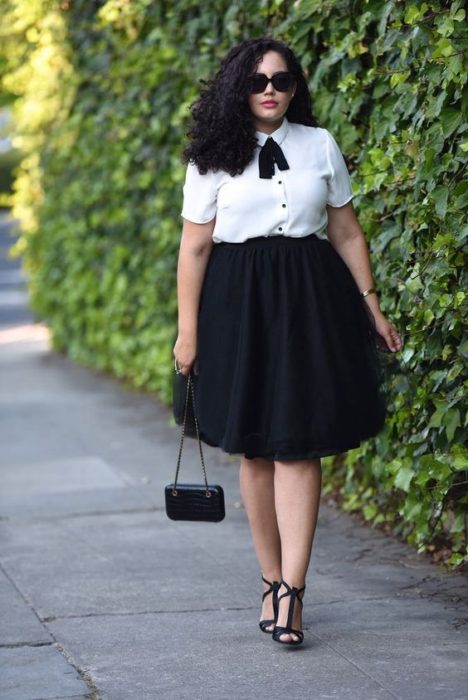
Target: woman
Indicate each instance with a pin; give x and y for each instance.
(277, 311)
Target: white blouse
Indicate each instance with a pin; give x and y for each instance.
(293, 203)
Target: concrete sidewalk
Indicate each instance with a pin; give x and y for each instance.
(103, 597)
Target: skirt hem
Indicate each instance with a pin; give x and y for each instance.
(306, 453)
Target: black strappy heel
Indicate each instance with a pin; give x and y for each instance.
(274, 588)
(278, 631)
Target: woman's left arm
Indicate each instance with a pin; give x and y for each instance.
(347, 237)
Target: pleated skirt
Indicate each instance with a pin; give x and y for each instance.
(287, 365)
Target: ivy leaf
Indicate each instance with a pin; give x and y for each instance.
(407, 354)
(440, 197)
(460, 462)
(450, 120)
(443, 48)
(456, 559)
(413, 283)
(414, 13)
(403, 478)
(399, 78)
(459, 15)
(445, 28)
(437, 416)
(451, 421)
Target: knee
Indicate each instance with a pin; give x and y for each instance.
(258, 466)
(302, 466)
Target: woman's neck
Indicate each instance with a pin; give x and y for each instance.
(268, 127)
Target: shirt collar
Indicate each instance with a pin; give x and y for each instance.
(279, 135)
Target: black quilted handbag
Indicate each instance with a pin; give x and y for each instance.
(193, 501)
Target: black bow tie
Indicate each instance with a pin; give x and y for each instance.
(271, 153)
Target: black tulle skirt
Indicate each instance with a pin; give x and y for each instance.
(287, 365)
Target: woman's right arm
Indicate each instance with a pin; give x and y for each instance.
(195, 249)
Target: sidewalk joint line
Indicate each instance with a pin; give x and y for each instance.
(93, 690)
(92, 513)
(357, 667)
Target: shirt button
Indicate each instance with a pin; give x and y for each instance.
(283, 205)
(280, 182)
(279, 228)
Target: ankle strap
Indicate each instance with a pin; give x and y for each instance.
(274, 586)
(294, 593)
(291, 589)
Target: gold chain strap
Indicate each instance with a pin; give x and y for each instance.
(190, 387)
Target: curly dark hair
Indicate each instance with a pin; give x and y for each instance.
(222, 132)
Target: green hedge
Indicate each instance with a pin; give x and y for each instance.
(109, 84)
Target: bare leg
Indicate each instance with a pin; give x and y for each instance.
(297, 497)
(258, 495)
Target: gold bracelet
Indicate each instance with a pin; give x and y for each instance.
(372, 290)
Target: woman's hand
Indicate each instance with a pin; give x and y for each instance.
(185, 353)
(388, 332)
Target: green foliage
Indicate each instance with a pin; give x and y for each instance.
(103, 103)
(9, 160)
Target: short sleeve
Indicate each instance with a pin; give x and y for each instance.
(340, 190)
(200, 194)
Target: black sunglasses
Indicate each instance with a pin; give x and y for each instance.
(281, 81)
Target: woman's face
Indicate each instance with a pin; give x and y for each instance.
(268, 117)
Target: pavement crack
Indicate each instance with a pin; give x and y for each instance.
(415, 584)
(15, 645)
(459, 622)
(185, 611)
(361, 554)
